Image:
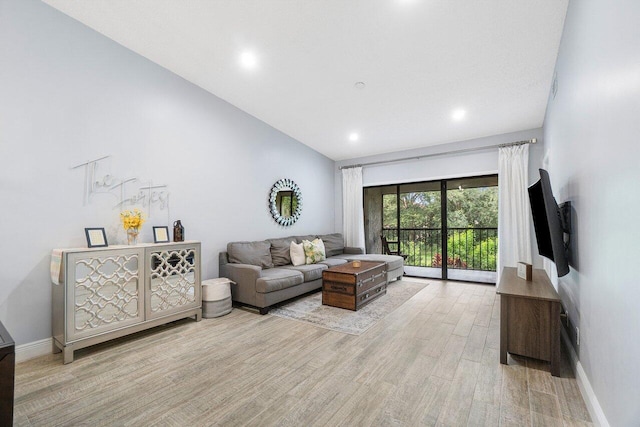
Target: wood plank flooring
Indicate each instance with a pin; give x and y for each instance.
(433, 361)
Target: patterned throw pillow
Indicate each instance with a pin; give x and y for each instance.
(297, 253)
(313, 251)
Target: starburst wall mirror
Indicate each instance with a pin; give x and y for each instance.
(285, 202)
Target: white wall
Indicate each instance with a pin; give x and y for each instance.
(480, 162)
(68, 95)
(591, 131)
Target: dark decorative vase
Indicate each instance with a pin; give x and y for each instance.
(178, 232)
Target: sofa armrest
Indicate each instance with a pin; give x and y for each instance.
(242, 273)
(245, 277)
(353, 251)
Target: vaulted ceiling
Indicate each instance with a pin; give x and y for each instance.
(353, 77)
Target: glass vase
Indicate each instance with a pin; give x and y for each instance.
(132, 236)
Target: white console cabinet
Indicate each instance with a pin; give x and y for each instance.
(106, 293)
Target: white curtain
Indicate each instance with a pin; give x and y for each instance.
(514, 234)
(352, 210)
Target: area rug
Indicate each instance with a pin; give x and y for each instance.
(309, 309)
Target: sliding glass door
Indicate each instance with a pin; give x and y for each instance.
(472, 228)
(446, 228)
(420, 228)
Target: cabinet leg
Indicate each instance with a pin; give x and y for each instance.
(54, 348)
(555, 339)
(503, 329)
(199, 315)
(67, 354)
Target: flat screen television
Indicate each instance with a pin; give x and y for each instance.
(551, 222)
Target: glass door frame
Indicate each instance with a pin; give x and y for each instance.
(444, 226)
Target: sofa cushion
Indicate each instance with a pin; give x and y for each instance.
(275, 279)
(280, 250)
(297, 253)
(333, 244)
(254, 253)
(313, 251)
(310, 271)
(310, 237)
(332, 262)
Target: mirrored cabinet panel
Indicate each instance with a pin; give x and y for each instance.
(173, 278)
(106, 292)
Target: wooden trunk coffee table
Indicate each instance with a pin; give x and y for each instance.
(350, 287)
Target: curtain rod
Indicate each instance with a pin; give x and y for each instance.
(423, 156)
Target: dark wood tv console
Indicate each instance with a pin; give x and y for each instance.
(529, 318)
(7, 375)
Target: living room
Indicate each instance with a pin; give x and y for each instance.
(70, 95)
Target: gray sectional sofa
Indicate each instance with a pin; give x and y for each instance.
(264, 276)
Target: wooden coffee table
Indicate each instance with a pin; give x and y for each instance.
(350, 287)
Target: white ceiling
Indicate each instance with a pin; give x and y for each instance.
(420, 60)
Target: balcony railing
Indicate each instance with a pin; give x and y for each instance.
(468, 248)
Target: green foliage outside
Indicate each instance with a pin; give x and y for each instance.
(467, 211)
(288, 203)
(473, 249)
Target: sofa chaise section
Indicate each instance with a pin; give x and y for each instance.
(395, 263)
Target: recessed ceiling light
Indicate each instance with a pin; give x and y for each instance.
(458, 114)
(359, 85)
(353, 136)
(248, 59)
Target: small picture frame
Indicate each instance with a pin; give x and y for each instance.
(96, 237)
(161, 234)
(525, 271)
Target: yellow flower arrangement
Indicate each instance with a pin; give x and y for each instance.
(132, 219)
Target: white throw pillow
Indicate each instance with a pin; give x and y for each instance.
(297, 253)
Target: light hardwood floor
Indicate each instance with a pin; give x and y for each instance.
(433, 361)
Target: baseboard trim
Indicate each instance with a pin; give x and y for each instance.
(33, 349)
(590, 399)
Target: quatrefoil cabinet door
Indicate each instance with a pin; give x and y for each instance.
(107, 292)
(173, 284)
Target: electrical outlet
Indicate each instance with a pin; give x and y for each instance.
(577, 336)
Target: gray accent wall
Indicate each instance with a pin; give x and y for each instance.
(591, 132)
(68, 95)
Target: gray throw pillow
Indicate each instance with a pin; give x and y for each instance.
(254, 253)
(333, 244)
(280, 250)
(309, 237)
